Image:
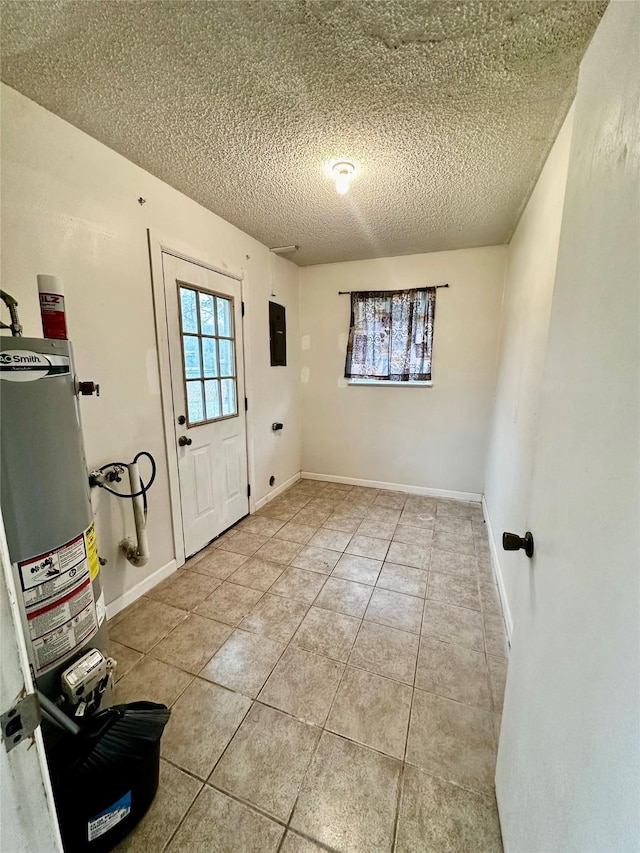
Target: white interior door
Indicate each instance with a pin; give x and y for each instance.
(204, 323)
(568, 772)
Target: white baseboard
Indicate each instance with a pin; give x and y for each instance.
(395, 487)
(278, 491)
(497, 570)
(139, 589)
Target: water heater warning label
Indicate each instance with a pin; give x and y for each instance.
(49, 573)
(59, 601)
(92, 551)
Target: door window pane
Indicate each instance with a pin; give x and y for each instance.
(226, 358)
(225, 321)
(228, 397)
(189, 312)
(208, 354)
(195, 408)
(209, 358)
(207, 315)
(192, 369)
(212, 398)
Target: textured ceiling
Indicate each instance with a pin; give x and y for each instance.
(449, 107)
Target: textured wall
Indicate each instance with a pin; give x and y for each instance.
(431, 437)
(69, 207)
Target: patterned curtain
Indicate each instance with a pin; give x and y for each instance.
(391, 335)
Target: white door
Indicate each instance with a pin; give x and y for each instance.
(568, 773)
(204, 322)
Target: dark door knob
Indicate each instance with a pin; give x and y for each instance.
(182, 420)
(183, 441)
(88, 388)
(513, 542)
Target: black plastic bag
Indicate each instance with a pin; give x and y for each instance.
(105, 778)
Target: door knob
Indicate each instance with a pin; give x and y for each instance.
(513, 542)
(183, 441)
(88, 388)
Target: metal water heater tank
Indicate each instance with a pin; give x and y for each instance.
(46, 506)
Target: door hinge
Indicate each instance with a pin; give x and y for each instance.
(246, 405)
(242, 303)
(248, 490)
(20, 721)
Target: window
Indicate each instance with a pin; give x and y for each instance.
(208, 351)
(391, 336)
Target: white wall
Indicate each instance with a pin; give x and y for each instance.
(568, 773)
(529, 283)
(275, 391)
(434, 437)
(70, 207)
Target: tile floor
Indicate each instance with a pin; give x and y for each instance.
(335, 666)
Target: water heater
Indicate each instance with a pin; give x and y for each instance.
(46, 506)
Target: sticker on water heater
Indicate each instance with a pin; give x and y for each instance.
(91, 545)
(26, 366)
(59, 601)
(54, 571)
(101, 608)
(44, 620)
(53, 647)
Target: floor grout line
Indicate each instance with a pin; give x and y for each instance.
(396, 824)
(244, 802)
(314, 495)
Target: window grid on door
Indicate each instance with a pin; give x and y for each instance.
(208, 355)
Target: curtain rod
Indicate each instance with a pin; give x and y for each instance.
(349, 292)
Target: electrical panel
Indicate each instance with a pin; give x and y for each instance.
(278, 334)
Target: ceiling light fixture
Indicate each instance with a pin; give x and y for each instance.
(342, 172)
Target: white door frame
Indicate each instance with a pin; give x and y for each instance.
(157, 247)
(28, 819)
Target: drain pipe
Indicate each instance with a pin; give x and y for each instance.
(137, 554)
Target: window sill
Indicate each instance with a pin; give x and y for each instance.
(383, 383)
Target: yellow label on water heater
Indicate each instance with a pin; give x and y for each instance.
(92, 551)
